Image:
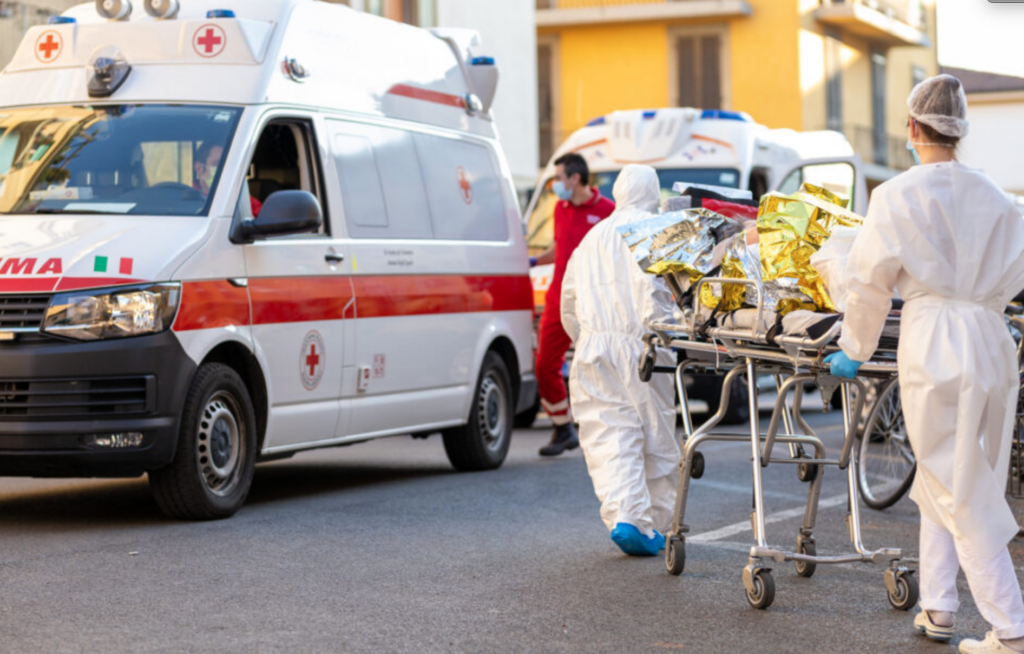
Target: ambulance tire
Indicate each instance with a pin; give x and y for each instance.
(482, 443)
(213, 466)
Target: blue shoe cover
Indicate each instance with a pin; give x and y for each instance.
(631, 541)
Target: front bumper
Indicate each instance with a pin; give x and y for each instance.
(55, 395)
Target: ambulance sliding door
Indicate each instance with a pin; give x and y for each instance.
(300, 291)
(414, 343)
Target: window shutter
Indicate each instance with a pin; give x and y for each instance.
(688, 82)
(545, 108)
(711, 72)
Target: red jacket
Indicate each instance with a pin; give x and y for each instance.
(571, 224)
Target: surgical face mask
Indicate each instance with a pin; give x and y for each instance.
(913, 152)
(559, 189)
(211, 174)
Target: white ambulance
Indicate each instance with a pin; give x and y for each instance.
(231, 231)
(701, 146)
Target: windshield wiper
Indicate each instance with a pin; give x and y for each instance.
(86, 212)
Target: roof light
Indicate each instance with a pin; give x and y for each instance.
(60, 20)
(726, 115)
(114, 9)
(161, 9)
(600, 120)
(220, 13)
(109, 71)
(649, 114)
(482, 61)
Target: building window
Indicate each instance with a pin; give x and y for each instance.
(917, 75)
(375, 7)
(547, 97)
(880, 137)
(419, 12)
(698, 68)
(833, 81)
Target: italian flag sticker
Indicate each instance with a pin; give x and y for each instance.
(125, 268)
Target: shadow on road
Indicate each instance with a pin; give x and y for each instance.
(300, 479)
(88, 504)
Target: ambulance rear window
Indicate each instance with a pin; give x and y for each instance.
(158, 160)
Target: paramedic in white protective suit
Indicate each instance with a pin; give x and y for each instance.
(627, 427)
(953, 245)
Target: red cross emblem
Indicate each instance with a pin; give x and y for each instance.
(311, 360)
(49, 46)
(209, 41)
(464, 185)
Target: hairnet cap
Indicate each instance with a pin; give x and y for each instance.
(637, 187)
(940, 103)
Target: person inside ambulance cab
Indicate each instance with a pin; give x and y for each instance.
(206, 162)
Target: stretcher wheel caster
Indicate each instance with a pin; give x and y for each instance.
(761, 589)
(647, 361)
(807, 472)
(806, 568)
(675, 555)
(697, 466)
(902, 588)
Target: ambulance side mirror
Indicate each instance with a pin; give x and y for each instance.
(284, 212)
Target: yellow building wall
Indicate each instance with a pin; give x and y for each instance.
(604, 68)
(765, 62)
(609, 67)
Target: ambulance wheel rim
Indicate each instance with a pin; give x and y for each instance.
(493, 411)
(220, 442)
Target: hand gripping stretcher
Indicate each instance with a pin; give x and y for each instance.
(795, 360)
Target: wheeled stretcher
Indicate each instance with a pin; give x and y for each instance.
(743, 345)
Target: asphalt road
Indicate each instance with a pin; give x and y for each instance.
(381, 547)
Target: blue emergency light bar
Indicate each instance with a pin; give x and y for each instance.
(482, 61)
(220, 13)
(61, 20)
(601, 120)
(726, 115)
(649, 114)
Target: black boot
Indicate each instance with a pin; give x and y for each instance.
(564, 438)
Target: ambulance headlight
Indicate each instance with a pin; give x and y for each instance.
(92, 315)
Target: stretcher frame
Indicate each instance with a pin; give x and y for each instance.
(793, 361)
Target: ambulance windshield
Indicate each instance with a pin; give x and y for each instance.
(158, 160)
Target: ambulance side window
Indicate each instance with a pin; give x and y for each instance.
(285, 160)
(466, 196)
(381, 181)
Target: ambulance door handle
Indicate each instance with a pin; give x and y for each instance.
(334, 257)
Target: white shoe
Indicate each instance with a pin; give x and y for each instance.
(990, 645)
(924, 625)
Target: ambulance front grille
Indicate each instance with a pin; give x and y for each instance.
(22, 311)
(74, 398)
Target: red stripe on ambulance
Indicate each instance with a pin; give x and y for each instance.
(207, 305)
(417, 93)
(213, 304)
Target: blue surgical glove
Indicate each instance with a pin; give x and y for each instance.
(533, 261)
(842, 365)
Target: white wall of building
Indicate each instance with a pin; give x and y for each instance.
(995, 142)
(508, 33)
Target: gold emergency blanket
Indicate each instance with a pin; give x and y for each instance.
(678, 241)
(792, 228)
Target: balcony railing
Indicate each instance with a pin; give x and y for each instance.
(909, 12)
(879, 148)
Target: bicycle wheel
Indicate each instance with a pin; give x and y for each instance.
(885, 461)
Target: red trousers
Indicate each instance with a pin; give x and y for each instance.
(552, 344)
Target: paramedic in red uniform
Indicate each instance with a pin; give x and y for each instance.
(580, 207)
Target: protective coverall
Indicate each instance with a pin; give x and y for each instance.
(950, 241)
(627, 427)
